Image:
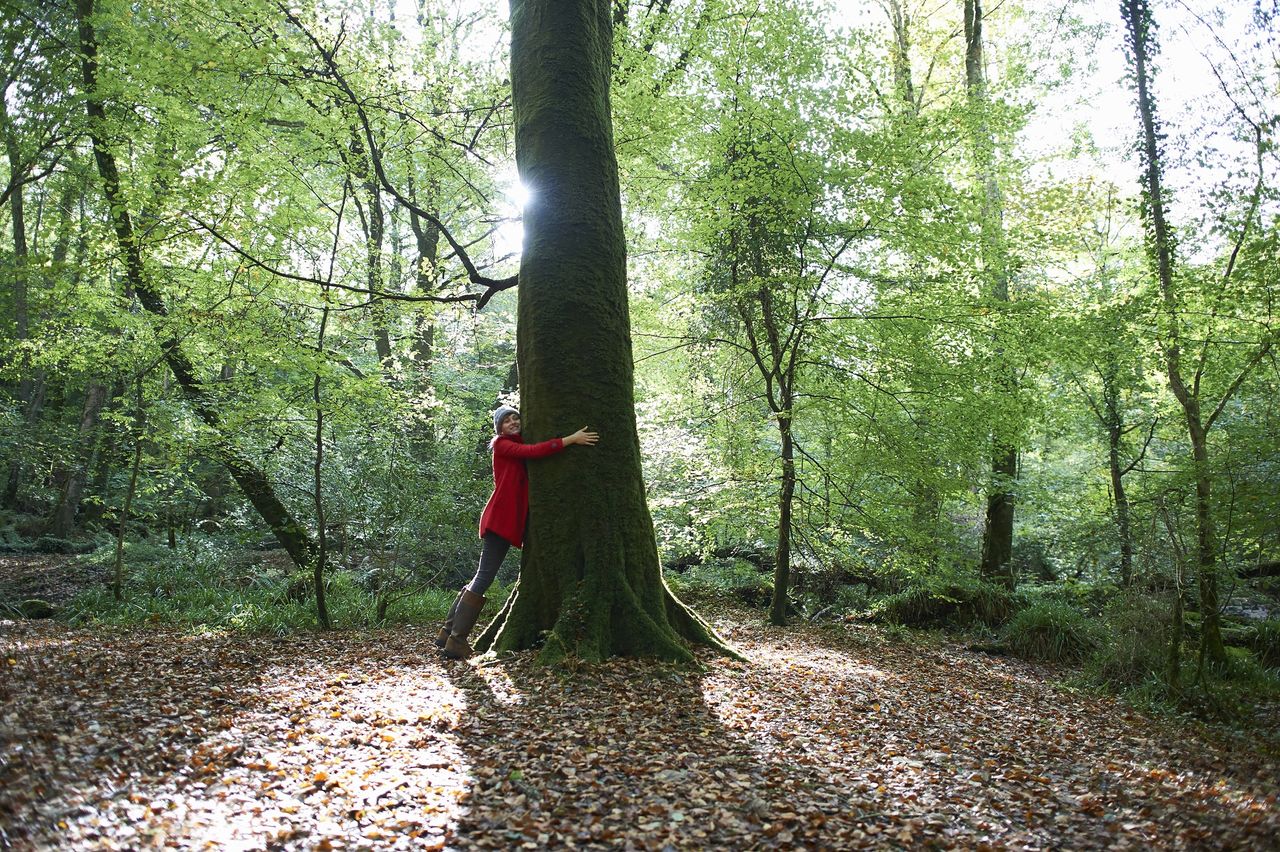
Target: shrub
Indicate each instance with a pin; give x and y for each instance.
(914, 605)
(1264, 641)
(1088, 598)
(855, 598)
(1135, 650)
(735, 578)
(963, 600)
(1050, 631)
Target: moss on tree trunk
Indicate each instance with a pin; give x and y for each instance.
(590, 580)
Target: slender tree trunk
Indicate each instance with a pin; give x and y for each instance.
(902, 82)
(290, 532)
(426, 278)
(927, 508)
(103, 458)
(1121, 500)
(373, 221)
(1177, 627)
(590, 580)
(1115, 432)
(1137, 19)
(786, 496)
(139, 429)
(997, 535)
(27, 389)
(73, 471)
(322, 539)
(375, 236)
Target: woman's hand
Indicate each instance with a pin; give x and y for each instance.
(583, 436)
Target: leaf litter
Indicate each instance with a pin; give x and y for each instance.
(836, 738)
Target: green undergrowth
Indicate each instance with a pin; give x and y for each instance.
(948, 600)
(1108, 640)
(735, 579)
(217, 586)
(1052, 631)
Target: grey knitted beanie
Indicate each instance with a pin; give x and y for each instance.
(500, 415)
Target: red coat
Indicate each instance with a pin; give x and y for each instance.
(508, 508)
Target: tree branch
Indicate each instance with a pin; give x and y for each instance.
(479, 298)
(1244, 372)
(375, 156)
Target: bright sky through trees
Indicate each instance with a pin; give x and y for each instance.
(1095, 101)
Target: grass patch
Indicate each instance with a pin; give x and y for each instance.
(1135, 652)
(1051, 631)
(951, 600)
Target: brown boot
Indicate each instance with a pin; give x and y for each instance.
(469, 606)
(443, 636)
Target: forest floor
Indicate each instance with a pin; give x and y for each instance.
(836, 737)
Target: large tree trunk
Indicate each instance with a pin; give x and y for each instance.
(590, 580)
(997, 535)
(255, 485)
(1137, 19)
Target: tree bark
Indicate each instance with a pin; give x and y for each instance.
(901, 52)
(73, 471)
(139, 432)
(780, 603)
(426, 278)
(322, 539)
(374, 234)
(590, 579)
(1137, 20)
(997, 535)
(27, 391)
(255, 485)
(1120, 498)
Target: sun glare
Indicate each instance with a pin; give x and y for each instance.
(519, 194)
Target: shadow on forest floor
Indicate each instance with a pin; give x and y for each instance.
(836, 737)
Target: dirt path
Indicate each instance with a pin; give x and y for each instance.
(827, 738)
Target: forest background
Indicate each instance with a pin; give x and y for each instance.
(915, 340)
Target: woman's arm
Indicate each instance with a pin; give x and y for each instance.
(516, 450)
(582, 436)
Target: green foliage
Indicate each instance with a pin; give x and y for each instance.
(933, 601)
(734, 578)
(212, 583)
(1089, 599)
(782, 181)
(1264, 642)
(1135, 649)
(1054, 632)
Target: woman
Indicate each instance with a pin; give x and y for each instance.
(503, 522)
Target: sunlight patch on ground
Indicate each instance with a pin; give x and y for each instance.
(212, 741)
(11, 645)
(502, 688)
(826, 739)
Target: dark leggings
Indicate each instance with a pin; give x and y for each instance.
(491, 555)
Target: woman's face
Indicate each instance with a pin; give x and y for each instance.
(511, 424)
